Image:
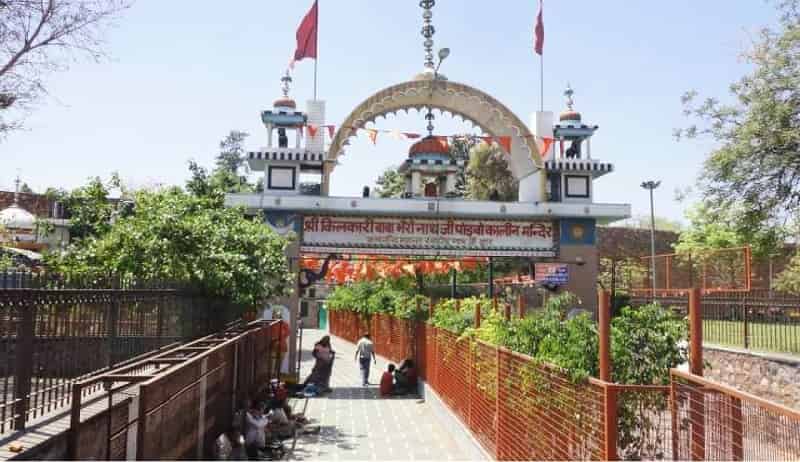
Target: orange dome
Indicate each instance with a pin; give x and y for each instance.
(285, 102)
(430, 145)
(570, 115)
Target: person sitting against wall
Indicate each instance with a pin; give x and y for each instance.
(386, 387)
(405, 378)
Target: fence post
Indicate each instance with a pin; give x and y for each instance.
(746, 323)
(737, 429)
(610, 421)
(508, 311)
(477, 315)
(521, 305)
(160, 319)
(695, 332)
(430, 308)
(697, 398)
(113, 327)
(26, 332)
(604, 329)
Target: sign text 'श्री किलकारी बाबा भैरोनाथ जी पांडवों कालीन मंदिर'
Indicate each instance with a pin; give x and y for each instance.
(411, 236)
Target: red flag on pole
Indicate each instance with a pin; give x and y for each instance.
(307, 37)
(539, 32)
(546, 143)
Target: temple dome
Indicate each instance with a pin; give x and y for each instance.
(15, 217)
(430, 145)
(285, 102)
(570, 116)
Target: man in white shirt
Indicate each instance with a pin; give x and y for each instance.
(365, 351)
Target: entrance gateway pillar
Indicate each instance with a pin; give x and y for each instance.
(553, 224)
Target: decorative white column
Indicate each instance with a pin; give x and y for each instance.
(269, 135)
(416, 183)
(315, 111)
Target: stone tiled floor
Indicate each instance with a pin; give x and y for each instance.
(356, 424)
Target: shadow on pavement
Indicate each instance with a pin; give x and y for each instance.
(328, 437)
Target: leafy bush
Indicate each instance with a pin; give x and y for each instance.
(368, 298)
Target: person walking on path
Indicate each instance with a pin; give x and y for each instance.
(365, 351)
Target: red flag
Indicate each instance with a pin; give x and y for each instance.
(505, 142)
(307, 37)
(312, 130)
(546, 143)
(539, 32)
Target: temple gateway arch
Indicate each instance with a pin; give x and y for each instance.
(461, 100)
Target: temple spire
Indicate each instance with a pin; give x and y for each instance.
(16, 190)
(427, 31)
(568, 93)
(286, 82)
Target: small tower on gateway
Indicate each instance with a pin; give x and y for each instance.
(430, 170)
(289, 154)
(570, 168)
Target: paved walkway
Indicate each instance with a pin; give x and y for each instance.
(356, 424)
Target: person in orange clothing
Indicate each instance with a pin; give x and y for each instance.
(386, 386)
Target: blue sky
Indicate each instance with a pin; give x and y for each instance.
(183, 73)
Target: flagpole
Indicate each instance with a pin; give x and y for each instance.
(316, 60)
(541, 81)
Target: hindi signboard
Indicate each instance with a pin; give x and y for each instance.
(556, 274)
(427, 236)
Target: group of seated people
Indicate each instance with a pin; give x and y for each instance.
(399, 381)
(264, 421)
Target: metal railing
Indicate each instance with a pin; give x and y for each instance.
(51, 338)
(756, 320)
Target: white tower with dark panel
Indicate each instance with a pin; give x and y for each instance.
(293, 157)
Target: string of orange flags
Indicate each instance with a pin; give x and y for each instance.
(372, 134)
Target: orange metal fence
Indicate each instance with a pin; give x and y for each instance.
(712, 270)
(521, 409)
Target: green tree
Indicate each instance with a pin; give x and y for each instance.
(231, 152)
(460, 149)
(390, 184)
(753, 177)
(226, 176)
(90, 208)
(177, 237)
(488, 176)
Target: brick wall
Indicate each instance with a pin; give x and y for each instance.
(37, 204)
(631, 242)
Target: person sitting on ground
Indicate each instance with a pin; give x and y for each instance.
(407, 368)
(280, 425)
(255, 435)
(387, 378)
(400, 383)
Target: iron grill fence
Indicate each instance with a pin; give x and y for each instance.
(521, 409)
(756, 320)
(51, 338)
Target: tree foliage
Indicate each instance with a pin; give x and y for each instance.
(177, 237)
(488, 176)
(90, 208)
(390, 184)
(752, 179)
(40, 37)
(226, 176)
